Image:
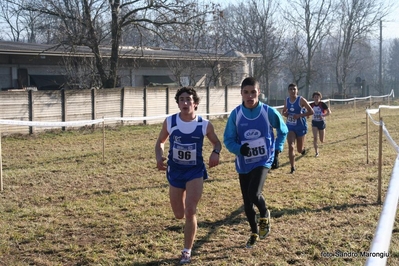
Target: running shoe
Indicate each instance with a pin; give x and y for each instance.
(275, 163)
(252, 240)
(264, 226)
(185, 257)
(317, 154)
(292, 170)
(303, 151)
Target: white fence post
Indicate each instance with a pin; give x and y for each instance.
(379, 251)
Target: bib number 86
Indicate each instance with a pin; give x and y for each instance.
(255, 151)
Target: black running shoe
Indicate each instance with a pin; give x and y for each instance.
(252, 240)
(275, 163)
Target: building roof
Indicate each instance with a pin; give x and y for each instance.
(20, 48)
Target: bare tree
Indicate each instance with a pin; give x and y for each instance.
(294, 61)
(214, 50)
(259, 32)
(357, 20)
(393, 68)
(393, 63)
(80, 72)
(11, 16)
(313, 18)
(24, 25)
(189, 37)
(93, 23)
(207, 43)
(185, 69)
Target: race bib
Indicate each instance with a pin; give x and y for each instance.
(257, 150)
(318, 115)
(185, 154)
(291, 120)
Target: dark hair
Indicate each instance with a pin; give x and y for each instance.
(189, 91)
(293, 85)
(250, 81)
(317, 93)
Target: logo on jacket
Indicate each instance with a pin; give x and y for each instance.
(252, 134)
(177, 139)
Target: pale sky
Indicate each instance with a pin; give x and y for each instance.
(391, 29)
(390, 26)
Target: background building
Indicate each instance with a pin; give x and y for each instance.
(25, 66)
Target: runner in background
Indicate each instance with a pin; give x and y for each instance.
(296, 109)
(320, 110)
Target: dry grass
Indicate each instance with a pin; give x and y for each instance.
(62, 205)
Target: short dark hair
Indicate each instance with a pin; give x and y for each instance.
(317, 93)
(190, 91)
(292, 85)
(250, 81)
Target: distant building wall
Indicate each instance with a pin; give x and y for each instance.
(128, 76)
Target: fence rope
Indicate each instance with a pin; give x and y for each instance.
(384, 129)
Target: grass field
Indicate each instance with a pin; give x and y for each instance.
(63, 205)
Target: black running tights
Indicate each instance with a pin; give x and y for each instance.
(251, 188)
